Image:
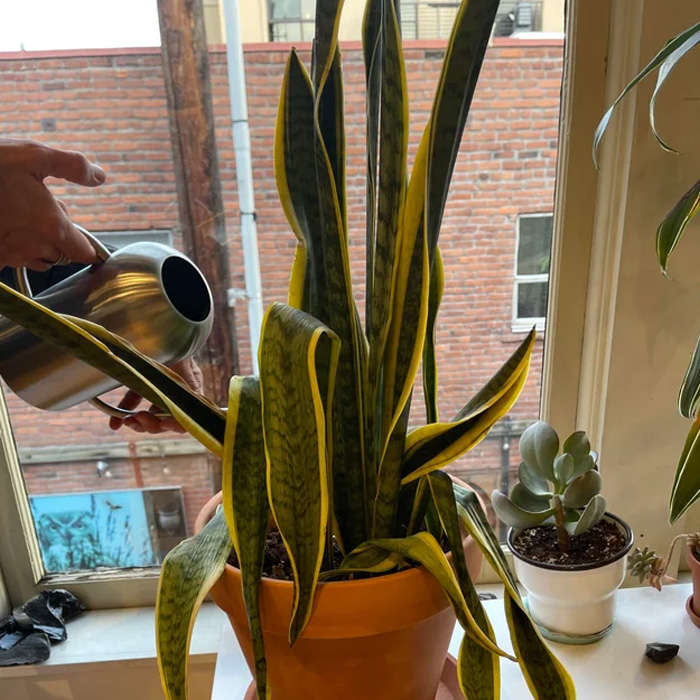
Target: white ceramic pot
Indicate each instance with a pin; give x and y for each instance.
(573, 604)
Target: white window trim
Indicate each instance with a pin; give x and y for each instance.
(522, 324)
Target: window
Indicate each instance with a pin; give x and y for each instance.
(532, 256)
(291, 20)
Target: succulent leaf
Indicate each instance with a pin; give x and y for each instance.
(643, 563)
(539, 445)
(582, 489)
(533, 481)
(593, 512)
(515, 516)
(583, 465)
(563, 470)
(577, 445)
(527, 500)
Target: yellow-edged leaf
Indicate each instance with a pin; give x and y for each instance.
(188, 572)
(298, 361)
(430, 371)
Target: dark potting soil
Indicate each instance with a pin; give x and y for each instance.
(276, 563)
(602, 541)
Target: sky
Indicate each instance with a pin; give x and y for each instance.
(36, 25)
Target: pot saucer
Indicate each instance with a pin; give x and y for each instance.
(447, 690)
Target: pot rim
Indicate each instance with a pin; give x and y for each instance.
(576, 567)
(207, 513)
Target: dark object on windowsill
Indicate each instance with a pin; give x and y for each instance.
(487, 596)
(26, 634)
(661, 653)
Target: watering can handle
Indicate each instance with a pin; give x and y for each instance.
(25, 288)
(99, 248)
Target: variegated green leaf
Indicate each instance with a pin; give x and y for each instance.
(672, 227)
(545, 676)
(188, 572)
(246, 506)
(465, 52)
(665, 70)
(655, 62)
(298, 361)
(686, 483)
(430, 371)
(425, 549)
(436, 445)
(478, 669)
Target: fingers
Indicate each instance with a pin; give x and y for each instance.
(73, 244)
(71, 166)
(130, 402)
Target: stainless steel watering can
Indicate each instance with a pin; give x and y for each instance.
(148, 293)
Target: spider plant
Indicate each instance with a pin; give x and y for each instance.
(319, 442)
(686, 485)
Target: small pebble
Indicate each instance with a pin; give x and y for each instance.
(661, 653)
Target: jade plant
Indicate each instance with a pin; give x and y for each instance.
(319, 443)
(646, 564)
(686, 484)
(554, 489)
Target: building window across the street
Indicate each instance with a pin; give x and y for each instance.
(291, 20)
(534, 242)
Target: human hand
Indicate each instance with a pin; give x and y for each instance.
(35, 230)
(147, 421)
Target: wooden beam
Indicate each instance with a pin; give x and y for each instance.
(191, 117)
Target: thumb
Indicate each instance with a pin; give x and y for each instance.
(71, 166)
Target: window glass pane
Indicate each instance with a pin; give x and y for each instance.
(535, 243)
(532, 299)
(285, 9)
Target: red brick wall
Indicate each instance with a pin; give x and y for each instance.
(113, 108)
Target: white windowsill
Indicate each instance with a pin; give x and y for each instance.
(118, 636)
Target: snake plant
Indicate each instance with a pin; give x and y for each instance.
(319, 442)
(686, 484)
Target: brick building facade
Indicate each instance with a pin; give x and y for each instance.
(111, 105)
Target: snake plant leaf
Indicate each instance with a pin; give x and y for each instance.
(528, 501)
(546, 678)
(515, 516)
(533, 481)
(427, 442)
(298, 355)
(427, 452)
(655, 62)
(119, 360)
(564, 468)
(197, 414)
(371, 52)
(390, 191)
(539, 446)
(464, 55)
(188, 572)
(544, 674)
(424, 548)
(665, 70)
(246, 506)
(295, 173)
(592, 513)
(686, 483)
(331, 121)
(430, 371)
(478, 669)
(672, 227)
(580, 491)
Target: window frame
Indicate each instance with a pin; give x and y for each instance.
(523, 324)
(587, 88)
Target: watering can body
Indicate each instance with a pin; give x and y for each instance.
(148, 293)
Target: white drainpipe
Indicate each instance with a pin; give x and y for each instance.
(244, 174)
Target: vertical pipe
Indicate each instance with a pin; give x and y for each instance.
(244, 174)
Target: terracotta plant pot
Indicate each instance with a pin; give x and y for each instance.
(693, 604)
(385, 637)
(573, 604)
